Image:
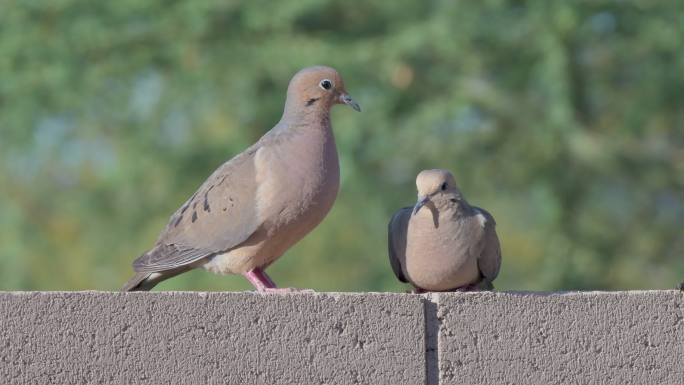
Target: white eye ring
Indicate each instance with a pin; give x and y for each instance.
(326, 84)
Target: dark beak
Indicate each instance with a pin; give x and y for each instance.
(346, 99)
(421, 202)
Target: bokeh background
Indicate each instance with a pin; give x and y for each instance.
(563, 119)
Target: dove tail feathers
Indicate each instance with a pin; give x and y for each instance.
(139, 282)
(485, 284)
(145, 281)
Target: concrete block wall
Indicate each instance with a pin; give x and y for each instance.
(567, 338)
(352, 338)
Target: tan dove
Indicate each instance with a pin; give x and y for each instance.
(449, 244)
(261, 202)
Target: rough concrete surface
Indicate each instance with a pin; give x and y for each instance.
(211, 338)
(563, 338)
(309, 338)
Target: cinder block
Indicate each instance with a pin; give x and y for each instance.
(564, 338)
(211, 338)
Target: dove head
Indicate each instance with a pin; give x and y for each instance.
(316, 89)
(437, 187)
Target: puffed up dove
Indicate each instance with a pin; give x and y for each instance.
(443, 243)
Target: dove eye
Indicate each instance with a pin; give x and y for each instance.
(326, 84)
(444, 186)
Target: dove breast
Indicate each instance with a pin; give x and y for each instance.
(298, 177)
(442, 256)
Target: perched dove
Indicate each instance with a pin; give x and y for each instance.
(449, 244)
(260, 203)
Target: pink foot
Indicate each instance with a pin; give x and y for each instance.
(285, 290)
(263, 283)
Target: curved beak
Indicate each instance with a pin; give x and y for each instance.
(346, 99)
(421, 202)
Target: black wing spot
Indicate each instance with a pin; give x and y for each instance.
(206, 199)
(311, 101)
(184, 208)
(194, 216)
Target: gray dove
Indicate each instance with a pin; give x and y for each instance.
(262, 201)
(443, 243)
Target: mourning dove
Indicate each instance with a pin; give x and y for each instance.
(449, 244)
(261, 202)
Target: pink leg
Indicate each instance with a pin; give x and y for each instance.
(262, 282)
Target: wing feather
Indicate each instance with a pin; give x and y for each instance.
(489, 261)
(396, 241)
(218, 217)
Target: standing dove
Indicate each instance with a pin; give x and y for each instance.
(261, 202)
(443, 243)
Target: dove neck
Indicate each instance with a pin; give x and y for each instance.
(296, 115)
(454, 207)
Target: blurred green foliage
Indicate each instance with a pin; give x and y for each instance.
(564, 119)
